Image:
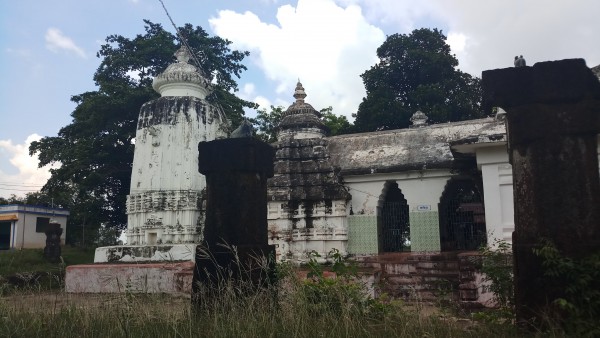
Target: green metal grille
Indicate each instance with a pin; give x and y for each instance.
(362, 234)
(424, 231)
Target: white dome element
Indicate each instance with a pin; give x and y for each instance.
(182, 78)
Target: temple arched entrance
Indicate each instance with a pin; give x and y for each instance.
(462, 216)
(393, 220)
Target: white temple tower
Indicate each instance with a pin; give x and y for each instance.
(165, 202)
(165, 212)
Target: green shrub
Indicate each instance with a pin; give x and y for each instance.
(579, 308)
(338, 291)
(498, 277)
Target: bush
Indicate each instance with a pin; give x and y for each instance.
(498, 275)
(578, 310)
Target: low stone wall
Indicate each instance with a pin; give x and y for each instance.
(137, 278)
(431, 277)
(471, 288)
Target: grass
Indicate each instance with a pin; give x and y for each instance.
(257, 315)
(294, 307)
(28, 268)
(32, 260)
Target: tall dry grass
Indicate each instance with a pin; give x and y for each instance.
(292, 307)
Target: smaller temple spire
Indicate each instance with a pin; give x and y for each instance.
(299, 93)
(301, 120)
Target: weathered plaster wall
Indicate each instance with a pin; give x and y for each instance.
(496, 173)
(166, 154)
(405, 149)
(297, 229)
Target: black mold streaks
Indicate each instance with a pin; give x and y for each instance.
(166, 110)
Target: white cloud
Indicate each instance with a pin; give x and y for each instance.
(404, 14)
(323, 44)
(28, 177)
(248, 92)
(457, 41)
(56, 41)
(263, 102)
(496, 31)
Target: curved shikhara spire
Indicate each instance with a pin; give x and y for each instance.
(301, 119)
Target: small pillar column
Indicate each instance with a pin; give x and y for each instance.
(553, 121)
(236, 173)
(52, 250)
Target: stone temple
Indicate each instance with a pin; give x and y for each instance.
(419, 189)
(308, 203)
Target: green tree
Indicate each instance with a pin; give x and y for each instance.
(266, 123)
(416, 72)
(337, 124)
(95, 151)
(30, 198)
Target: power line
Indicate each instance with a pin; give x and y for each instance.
(20, 185)
(15, 189)
(192, 54)
(182, 39)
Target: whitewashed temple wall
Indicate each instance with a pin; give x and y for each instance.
(165, 205)
(166, 155)
(296, 232)
(420, 188)
(497, 178)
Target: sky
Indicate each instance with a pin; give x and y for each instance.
(48, 50)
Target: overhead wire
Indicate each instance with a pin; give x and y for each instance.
(15, 189)
(21, 185)
(191, 51)
(182, 38)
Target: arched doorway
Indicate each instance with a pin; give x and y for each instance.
(462, 216)
(394, 223)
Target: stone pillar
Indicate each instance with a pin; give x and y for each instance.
(52, 250)
(236, 173)
(553, 119)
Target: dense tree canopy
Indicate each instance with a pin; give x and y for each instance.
(416, 72)
(95, 151)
